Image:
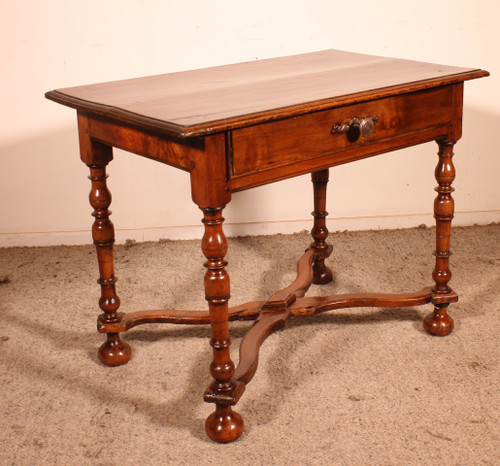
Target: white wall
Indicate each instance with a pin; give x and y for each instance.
(60, 43)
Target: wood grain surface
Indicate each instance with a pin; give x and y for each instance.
(193, 103)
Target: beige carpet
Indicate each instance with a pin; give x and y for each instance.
(350, 387)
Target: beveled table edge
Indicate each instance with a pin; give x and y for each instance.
(218, 126)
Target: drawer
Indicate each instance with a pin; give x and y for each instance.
(278, 143)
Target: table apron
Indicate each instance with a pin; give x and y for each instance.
(309, 165)
(176, 152)
(282, 149)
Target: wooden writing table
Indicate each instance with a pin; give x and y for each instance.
(245, 125)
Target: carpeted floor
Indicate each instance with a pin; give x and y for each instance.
(350, 387)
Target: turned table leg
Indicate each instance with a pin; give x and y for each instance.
(319, 232)
(114, 351)
(224, 425)
(439, 323)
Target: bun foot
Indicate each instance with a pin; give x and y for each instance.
(224, 425)
(114, 352)
(438, 323)
(322, 275)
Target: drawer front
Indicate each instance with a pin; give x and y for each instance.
(274, 144)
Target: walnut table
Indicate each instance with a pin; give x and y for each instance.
(245, 125)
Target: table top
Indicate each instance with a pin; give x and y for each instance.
(205, 101)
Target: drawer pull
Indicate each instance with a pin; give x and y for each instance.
(356, 127)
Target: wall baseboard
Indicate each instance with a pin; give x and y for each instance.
(57, 238)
